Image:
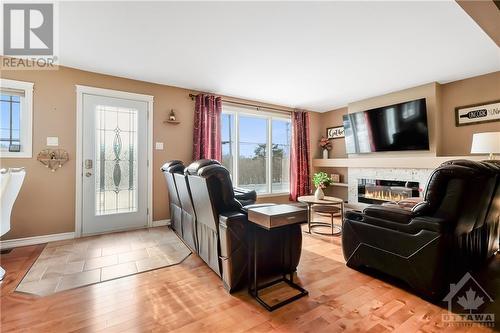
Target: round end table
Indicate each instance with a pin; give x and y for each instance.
(334, 206)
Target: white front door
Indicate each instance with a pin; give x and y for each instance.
(115, 164)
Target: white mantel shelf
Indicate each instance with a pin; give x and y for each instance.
(417, 162)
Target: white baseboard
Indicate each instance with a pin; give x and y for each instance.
(11, 243)
(160, 223)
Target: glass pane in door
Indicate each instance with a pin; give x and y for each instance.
(116, 160)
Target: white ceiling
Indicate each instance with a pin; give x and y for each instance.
(316, 56)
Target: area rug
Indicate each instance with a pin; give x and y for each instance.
(74, 263)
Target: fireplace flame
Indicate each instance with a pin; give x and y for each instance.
(386, 195)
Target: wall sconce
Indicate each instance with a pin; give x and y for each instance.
(53, 158)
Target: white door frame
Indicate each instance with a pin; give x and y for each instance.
(80, 90)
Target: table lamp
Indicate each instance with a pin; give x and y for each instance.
(486, 143)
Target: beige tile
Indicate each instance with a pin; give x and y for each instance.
(48, 252)
(177, 256)
(116, 271)
(79, 279)
(155, 251)
(106, 251)
(142, 244)
(73, 263)
(152, 263)
(133, 256)
(83, 255)
(100, 262)
(63, 269)
(52, 261)
(35, 273)
(41, 288)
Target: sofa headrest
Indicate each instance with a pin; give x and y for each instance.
(479, 166)
(173, 166)
(493, 164)
(193, 168)
(437, 185)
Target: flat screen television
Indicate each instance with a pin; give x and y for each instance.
(398, 127)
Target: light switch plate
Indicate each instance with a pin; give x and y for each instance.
(52, 141)
(159, 146)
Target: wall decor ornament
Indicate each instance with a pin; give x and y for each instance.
(172, 118)
(335, 132)
(53, 158)
(477, 113)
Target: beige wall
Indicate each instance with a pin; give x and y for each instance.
(456, 141)
(333, 119)
(46, 203)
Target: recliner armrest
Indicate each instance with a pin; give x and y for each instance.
(354, 215)
(232, 231)
(392, 214)
(245, 197)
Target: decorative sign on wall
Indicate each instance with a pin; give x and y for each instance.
(477, 113)
(335, 132)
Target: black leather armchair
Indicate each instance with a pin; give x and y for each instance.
(222, 227)
(169, 169)
(453, 230)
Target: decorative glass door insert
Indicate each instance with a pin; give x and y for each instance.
(116, 160)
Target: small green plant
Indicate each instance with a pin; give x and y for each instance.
(322, 180)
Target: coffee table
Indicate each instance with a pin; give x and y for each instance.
(311, 200)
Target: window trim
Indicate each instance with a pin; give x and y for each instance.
(26, 123)
(236, 112)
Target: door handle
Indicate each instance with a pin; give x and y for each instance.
(88, 174)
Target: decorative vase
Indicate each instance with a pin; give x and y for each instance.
(319, 195)
(325, 154)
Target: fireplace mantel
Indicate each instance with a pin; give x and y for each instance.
(407, 162)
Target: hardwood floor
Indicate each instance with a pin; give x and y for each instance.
(189, 297)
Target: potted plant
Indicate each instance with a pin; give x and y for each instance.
(321, 181)
(326, 145)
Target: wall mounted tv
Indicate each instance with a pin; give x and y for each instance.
(398, 127)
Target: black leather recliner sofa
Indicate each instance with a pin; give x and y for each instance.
(221, 225)
(455, 229)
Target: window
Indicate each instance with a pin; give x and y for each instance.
(261, 142)
(15, 118)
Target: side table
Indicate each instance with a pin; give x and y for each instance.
(311, 200)
(273, 217)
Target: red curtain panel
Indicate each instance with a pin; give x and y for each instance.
(300, 173)
(207, 132)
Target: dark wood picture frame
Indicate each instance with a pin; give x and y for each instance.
(336, 132)
(458, 108)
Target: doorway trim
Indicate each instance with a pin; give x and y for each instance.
(80, 90)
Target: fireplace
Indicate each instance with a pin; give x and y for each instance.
(378, 191)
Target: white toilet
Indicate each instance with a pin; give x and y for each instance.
(11, 181)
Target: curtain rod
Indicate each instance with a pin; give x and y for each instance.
(192, 96)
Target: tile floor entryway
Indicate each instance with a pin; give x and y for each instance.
(78, 262)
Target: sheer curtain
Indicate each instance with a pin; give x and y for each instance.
(207, 127)
(300, 169)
